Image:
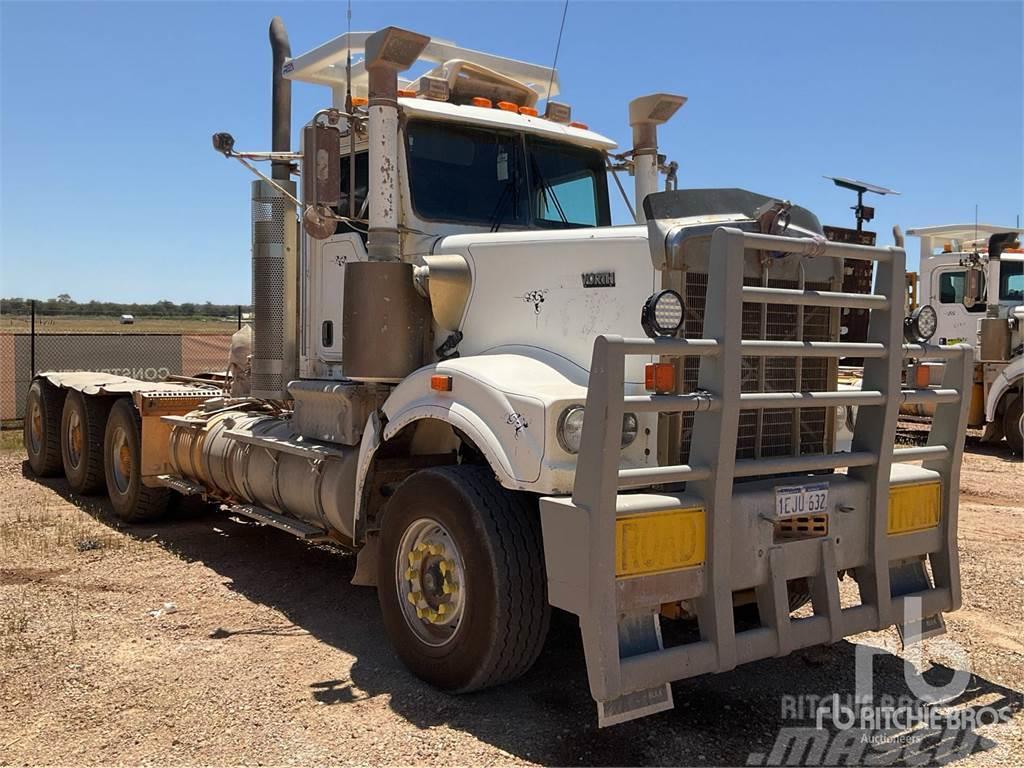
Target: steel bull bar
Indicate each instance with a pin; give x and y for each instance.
(719, 537)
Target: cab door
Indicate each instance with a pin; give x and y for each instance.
(957, 322)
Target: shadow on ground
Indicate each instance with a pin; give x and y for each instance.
(548, 716)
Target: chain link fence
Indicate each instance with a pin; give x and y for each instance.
(136, 353)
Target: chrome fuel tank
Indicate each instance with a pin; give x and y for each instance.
(258, 459)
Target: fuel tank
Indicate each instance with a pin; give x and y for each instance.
(259, 459)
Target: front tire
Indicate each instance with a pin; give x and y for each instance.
(132, 501)
(1012, 426)
(44, 406)
(81, 440)
(461, 579)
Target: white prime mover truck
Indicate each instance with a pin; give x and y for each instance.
(973, 276)
(463, 372)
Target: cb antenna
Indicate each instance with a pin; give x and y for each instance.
(558, 45)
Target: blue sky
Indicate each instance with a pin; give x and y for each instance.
(110, 189)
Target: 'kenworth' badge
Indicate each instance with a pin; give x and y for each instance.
(598, 279)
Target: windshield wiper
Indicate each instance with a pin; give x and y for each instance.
(547, 189)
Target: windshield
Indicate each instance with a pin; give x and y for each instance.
(498, 179)
(1011, 280)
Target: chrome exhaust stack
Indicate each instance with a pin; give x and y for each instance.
(275, 257)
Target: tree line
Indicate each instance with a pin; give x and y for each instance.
(65, 305)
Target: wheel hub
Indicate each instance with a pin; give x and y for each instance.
(75, 439)
(430, 580)
(35, 432)
(120, 460)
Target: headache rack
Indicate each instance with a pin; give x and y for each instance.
(623, 656)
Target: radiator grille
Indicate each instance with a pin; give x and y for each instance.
(801, 527)
(780, 429)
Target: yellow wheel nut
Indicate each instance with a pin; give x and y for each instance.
(442, 609)
(443, 567)
(414, 597)
(421, 613)
(411, 574)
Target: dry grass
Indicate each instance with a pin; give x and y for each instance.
(11, 439)
(88, 324)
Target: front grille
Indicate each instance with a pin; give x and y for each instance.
(801, 527)
(774, 432)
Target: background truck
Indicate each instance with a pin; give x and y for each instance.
(973, 275)
(462, 371)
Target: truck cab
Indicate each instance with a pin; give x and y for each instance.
(973, 275)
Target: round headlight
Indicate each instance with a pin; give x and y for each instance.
(629, 429)
(570, 429)
(662, 314)
(921, 325)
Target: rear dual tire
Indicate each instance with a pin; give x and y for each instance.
(82, 425)
(43, 408)
(132, 501)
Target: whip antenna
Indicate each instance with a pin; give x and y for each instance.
(558, 45)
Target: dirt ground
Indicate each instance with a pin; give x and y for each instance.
(267, 656)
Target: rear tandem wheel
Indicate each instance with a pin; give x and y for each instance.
(132, 501)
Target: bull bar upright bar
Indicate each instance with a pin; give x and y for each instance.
(579, 535)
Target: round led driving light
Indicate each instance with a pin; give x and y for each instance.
(921, 324)
(662, 314)
(570, 429)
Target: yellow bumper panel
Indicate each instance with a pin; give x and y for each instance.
(914, 507)
(659, 541)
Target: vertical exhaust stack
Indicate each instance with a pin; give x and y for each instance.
(385, 322)
(646, 113)
(275, 248)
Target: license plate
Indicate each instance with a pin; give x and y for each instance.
(809, 499)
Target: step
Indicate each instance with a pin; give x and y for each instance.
(295, 527)
(181, 485)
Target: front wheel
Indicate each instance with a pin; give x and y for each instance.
(1013, 424)
(461, 579)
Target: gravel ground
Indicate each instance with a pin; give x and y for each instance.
(269, 657)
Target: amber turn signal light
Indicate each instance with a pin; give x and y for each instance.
(659, 377)
(441, 383)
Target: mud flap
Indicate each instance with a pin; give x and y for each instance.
(907, 578)
(637, 634)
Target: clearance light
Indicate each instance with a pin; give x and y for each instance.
(434, 88)
(441, 383)
(480, 101)
(406, 93)
(660, 377)
(558, 112)
(360, 101)
(581, 126)
(914, 507)
(656, 542)
(528, 111)
(508, 106)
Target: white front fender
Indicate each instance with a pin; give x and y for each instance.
(499, 402)
(1010, 376)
